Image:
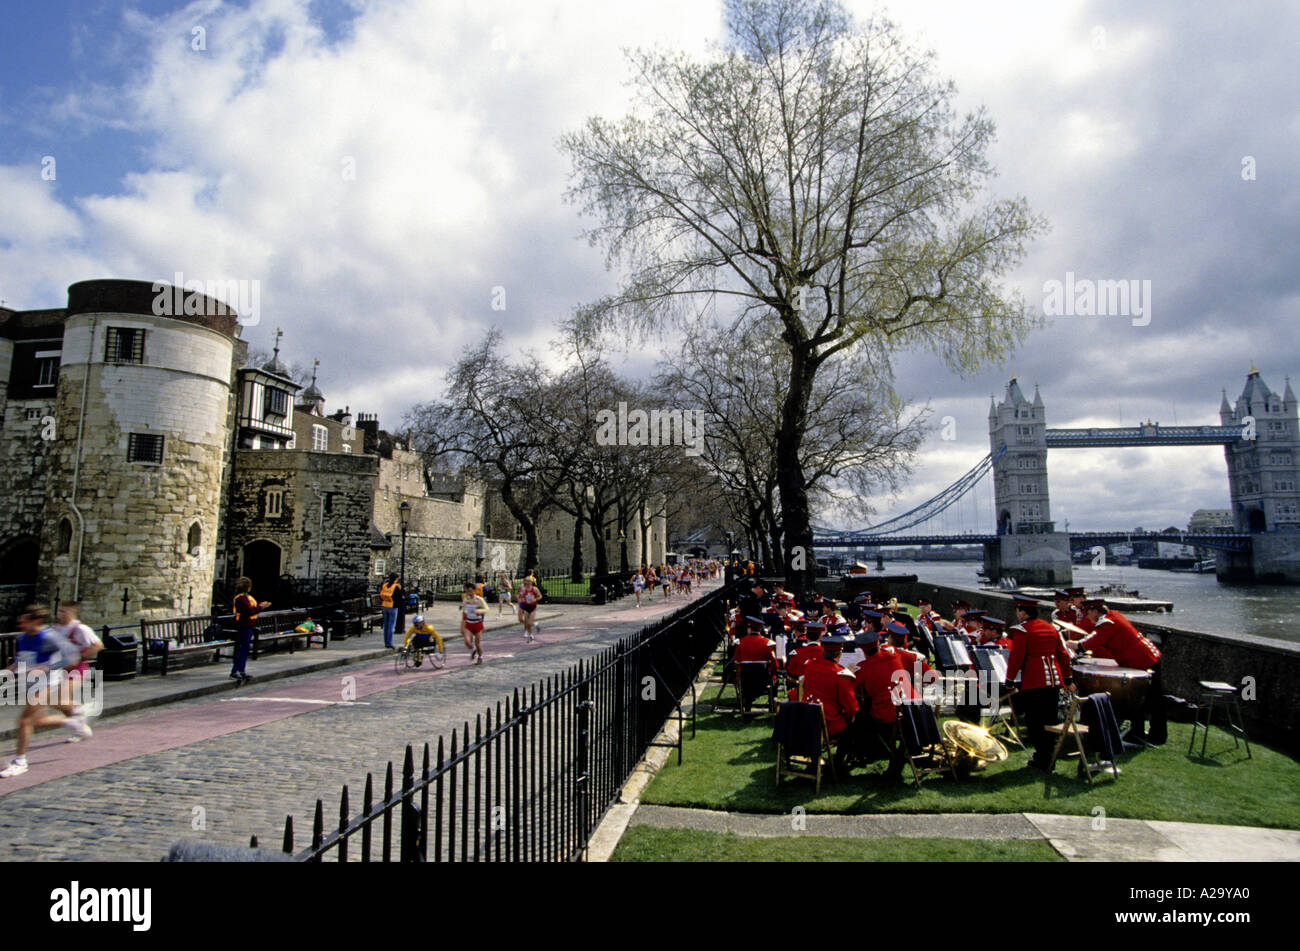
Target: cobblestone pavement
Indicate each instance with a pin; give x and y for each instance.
(136, 798)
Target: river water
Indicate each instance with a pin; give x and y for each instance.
(1200, 602)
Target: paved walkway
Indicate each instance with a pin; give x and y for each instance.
(1077, 838)
(235, 760)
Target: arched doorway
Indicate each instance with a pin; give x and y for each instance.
(1004, 523)
(262, 567)
(1256, 521)
(18, 561)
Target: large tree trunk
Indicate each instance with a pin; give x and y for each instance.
(795, 515)
(596, 521)
(575, 566)
(525, 520)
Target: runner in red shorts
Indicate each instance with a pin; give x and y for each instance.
(529, 595)
(473, 609)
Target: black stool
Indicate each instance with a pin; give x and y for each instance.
(1216, 694)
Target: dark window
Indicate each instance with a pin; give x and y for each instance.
(144, 447)
(124, 345)
(65, 537)
(195, 539)
(275, 403)
(47, 370)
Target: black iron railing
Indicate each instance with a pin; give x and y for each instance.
(531, 779)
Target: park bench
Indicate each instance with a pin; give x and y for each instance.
(276, 627)
(169, 640)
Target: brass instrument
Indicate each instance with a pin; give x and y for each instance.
(1074, 629)
(970, 747)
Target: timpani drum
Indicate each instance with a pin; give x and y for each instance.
(1127, 686)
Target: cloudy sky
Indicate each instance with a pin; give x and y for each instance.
(382, 168)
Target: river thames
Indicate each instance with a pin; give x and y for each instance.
(1200, 602)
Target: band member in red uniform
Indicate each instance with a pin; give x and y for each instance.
(827, 683)
(1081, 618)
(993, 632)
(1064, 609)
(913, 663)
(1114, 636)
(796, 663)
(882, 683)
(780, 595)
(1038, 651)
(926, 616)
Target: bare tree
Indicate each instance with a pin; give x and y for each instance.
(497, 417)
(813, 170)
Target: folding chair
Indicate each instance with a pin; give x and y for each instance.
(1076, 730)
(750, 680)
(802, 742)
(917, 728)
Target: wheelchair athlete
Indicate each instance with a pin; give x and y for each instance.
(419, 638)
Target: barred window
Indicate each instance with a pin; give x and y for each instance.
(275, 402)
(379, 567)
(124, 345)
(144, 447)
(274, 503)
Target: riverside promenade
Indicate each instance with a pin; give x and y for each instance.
(191, 756)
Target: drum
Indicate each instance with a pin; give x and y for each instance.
(1127, 686)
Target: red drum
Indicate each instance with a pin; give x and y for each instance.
(1127, 686)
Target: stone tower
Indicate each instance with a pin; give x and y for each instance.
(1264, 472)
(144, 411)
(1028, 547)
(1020, 476)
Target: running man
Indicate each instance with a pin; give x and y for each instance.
(638, 585)
(87, 644)
(420, 636)
(503, 592)
(529, 596)
(666, 580)
(473, 610)
(39, 651)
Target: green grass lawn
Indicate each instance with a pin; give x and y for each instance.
(566, 588)
(730, 766)
(648, 844)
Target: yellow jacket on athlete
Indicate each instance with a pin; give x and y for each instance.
(426, 629)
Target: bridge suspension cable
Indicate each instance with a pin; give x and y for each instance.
(927, 509)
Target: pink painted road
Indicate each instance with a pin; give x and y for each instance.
(134, 741)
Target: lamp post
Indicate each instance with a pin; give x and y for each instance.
(404, 513)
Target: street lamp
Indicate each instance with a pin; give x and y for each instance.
(404, 513)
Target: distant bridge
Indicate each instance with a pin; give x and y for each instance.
(1221, 541)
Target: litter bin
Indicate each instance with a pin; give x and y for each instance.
(120, 656)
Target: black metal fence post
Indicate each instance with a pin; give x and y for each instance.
(583, 765)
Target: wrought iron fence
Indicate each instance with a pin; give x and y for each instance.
(531, 779)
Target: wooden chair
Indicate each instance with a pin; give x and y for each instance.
(752, 679)
(803, 742)
(1078, 731)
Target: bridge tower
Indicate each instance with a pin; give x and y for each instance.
(1264, 482)
(1028, 548)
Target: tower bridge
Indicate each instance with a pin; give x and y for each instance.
(1260, 436)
